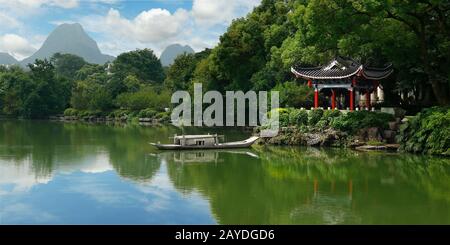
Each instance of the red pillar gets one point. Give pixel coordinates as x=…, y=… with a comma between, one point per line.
x=368, y=100
x=310, y=83
x=352, y=107
x=316, y=98
x=333, y=99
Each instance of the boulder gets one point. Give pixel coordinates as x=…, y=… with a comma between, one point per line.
x=374, y=134
x=371, y=148
x=313, y=139
x=393, y=126
x=325, y=138
x=362, y=134
x=389, y=136
x=356, y=143
x=145, y=119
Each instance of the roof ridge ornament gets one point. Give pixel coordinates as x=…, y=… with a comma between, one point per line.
x=331, y=65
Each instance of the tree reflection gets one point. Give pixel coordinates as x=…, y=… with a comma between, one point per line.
x=317, y=186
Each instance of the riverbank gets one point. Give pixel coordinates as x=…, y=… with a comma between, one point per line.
x=428, y=132
x=144, y=117
x=367, y=139
x=336, y=128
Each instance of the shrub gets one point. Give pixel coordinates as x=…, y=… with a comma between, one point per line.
x=315, y=116
x=147, y=113
x=90, y=113
x=283, y=116
x=427, y=132
x=353, y=121
x=298, y=117
x=163, y=116
x=145, y=98
x=70, y=112
x=119, y=113
x=328, y=117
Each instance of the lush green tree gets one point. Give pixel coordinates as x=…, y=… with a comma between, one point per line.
x=205, y=75
x=148, y=97
x=67, y=65
x=132, y=83
x=92, y=71
x=80, y=96
x=181, y=72
x=35, y=94
x=293, y=94
x=90, y=95
x=50, y=94
x=413, y=35
x=101, y=99
x=15, y=86
x=143, y=64
x=243, y=58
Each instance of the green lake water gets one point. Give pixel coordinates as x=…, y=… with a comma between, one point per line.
x=75, y=173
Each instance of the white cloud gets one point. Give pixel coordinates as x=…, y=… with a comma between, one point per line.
x=158, y=24
x=15, y=45
x=210, y=13
x=157, y=28
x=8, y=22
x=98, y=163
x=15, y=213
x=26, y=7
x=20, y=176
x=15, y=13
x=152, y=26
x=62, y=3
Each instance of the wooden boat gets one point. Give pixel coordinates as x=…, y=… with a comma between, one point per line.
x=191, y=142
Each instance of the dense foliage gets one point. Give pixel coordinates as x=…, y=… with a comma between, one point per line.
x=66, y=83
x=143, y=64
x=34, y=94
x=257, y=51
x=427, y=132
x=349, y=122
x=352, y=121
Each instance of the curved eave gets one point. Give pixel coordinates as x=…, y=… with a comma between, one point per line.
x=387, y=67
x=298, y=74
x=386, y=75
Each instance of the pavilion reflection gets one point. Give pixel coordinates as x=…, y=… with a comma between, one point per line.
x=309, y=186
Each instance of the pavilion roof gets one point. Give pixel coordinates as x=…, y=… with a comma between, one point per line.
x=342, y=68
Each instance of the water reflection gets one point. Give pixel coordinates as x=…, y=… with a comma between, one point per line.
x=79, y=173
x=311, y=186
x=204, y=156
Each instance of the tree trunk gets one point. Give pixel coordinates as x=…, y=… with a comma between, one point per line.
x=427, y=96
x=441, y=92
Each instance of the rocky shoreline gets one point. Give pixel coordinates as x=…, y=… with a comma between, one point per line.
x=363, y=139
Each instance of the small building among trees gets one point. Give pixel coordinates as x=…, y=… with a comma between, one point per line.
x=347, y=82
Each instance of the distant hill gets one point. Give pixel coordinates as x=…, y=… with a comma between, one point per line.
x=172, y=51
x=72, y=39
x=6, y=59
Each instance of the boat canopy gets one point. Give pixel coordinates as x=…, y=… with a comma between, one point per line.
x=206, y=136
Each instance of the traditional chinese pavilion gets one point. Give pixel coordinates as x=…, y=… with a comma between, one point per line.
x=343, y=77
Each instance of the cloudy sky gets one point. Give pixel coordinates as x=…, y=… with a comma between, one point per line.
x=119, y=25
